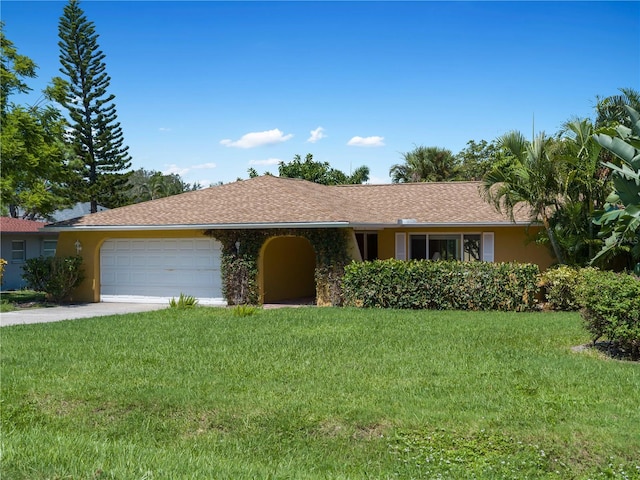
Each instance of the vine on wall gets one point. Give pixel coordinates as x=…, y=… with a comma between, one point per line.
x=241, y=249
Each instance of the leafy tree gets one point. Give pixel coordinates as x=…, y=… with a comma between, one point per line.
x=147, y=185
x=530, y=179
x=32, y=149
x=621, y=215
x=14, y=68
x=476, y=159
x=425, y=164
x=33, y=156
x=97, y=138
x=320, y=172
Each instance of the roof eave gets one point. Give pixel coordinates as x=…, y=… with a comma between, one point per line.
x=202, y=226
x=380, y=226
x=252, y=226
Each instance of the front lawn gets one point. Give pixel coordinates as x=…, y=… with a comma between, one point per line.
x=315, y=393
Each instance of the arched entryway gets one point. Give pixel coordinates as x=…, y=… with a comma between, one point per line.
x=287, y=269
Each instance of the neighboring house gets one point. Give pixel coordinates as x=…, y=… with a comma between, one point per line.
x=78, y=210
x=21, y=240
x=155, y=250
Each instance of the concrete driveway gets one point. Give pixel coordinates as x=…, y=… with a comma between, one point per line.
x=72, y=312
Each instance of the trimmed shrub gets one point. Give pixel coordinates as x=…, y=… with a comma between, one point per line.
x=443, y=285
x=55, y=276
x=611, y=308
x=560, y=286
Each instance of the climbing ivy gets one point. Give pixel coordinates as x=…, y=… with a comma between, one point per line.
x=241, y=249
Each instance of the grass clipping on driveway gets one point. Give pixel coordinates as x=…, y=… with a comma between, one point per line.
x=315, y=393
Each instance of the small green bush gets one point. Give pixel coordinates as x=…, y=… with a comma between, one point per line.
x=183, y=301
x=611, y=308
x=560, y=286
x=423, y=284
x=55, y=276
x=3, y=262
x=244, y=310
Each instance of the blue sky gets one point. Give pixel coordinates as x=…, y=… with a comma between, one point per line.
x=208, y=89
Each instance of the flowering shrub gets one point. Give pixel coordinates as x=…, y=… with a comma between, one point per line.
x=3, y=262
x=560, y=286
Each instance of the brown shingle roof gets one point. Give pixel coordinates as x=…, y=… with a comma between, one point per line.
x=274, y=200
x=18, y=225
x=434, y=203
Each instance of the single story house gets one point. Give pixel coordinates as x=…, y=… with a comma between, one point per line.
x=195, y=243
x=21, y=240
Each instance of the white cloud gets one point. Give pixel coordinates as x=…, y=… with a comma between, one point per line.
x=173, y=168
x=378, y=180
x=164, y=129
x=268, y=161
x=366, y=142
x=316, y=135
x=182, y=171
x=205, y=165
x=203, y=182
x=258, y=139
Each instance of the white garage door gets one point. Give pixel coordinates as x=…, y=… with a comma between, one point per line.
x=158, y=269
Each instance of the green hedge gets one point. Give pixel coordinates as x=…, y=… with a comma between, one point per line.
x=611, y=308
x=559, y=286
x=442, y=285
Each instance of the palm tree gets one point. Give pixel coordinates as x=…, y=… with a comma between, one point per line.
x=584, y=190
x=531, y=179
x=611, y=110
x=425, y=164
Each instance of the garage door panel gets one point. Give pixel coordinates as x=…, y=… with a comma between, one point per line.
x=122, y=261
x=109, y=277
x=161, y=268
x=123, y=278
x=138, y=261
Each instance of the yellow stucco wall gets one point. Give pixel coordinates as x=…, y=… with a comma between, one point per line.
x=89, y=290
x=290, y=261
x=286, y=269
x=510, y=243
x=515, y=244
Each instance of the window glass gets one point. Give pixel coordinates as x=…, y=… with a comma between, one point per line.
x=471, y=248
x=444, y=247
x=417, y=247
x=18, y=250
x=49, y=247
x=372, y=246
x=368, y=245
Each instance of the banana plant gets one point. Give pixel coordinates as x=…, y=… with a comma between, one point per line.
x=621, y=216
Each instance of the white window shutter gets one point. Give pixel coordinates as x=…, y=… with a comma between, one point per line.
x=487, y=246
x=401, y=246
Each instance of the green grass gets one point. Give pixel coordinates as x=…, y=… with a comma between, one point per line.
x=315, y=393
x=11, y=300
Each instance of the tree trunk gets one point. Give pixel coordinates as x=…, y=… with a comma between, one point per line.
x=554, y=242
